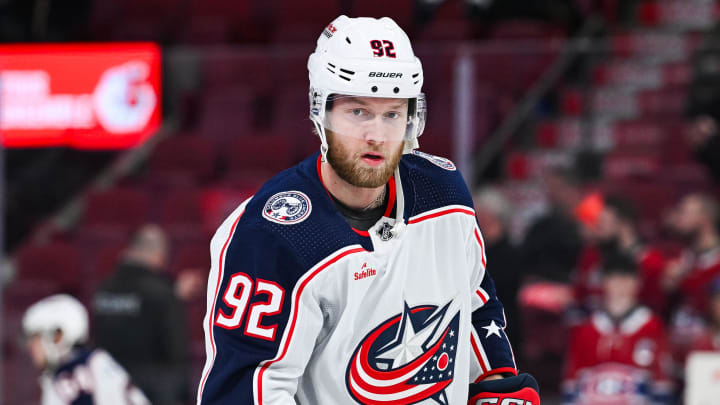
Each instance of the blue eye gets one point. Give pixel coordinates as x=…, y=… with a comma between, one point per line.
x=393, y=115
x=357, y=112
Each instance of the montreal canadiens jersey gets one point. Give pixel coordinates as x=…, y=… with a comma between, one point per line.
x=618, y=362
x=304, y=309
x=90, y=377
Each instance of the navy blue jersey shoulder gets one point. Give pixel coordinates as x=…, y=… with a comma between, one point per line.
x=289, y=226
x=431, y=182
x=293, y=218
x=79, y=356
x=293, y=212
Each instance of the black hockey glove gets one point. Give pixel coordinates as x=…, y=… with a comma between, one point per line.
x=516, y=390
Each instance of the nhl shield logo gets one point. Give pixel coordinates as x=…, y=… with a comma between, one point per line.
x=385, y=232
x=436, y=160
x=287, y=208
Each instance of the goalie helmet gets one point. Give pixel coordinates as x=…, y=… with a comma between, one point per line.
x=366, y=57
x=55, y=313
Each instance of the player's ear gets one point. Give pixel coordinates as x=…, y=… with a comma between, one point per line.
x=58, y=336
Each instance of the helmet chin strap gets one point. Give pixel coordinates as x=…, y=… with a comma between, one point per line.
x=323, y=141
x=410, y=145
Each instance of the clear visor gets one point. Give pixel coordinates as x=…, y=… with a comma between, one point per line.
x=372, y=119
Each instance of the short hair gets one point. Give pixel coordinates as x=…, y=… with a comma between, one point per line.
x=623, y=208
x=148, y=237
x=619, y=263
x=494, y=201
x=566, y=174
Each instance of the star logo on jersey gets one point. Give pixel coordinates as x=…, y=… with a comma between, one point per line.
x=406, y=359
x=492, y=329
x=287, y=208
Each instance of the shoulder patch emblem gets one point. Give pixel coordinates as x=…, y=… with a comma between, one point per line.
x=436, y=160
x=287, y=208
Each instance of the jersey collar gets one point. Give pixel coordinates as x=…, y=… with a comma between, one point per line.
x=392, y=194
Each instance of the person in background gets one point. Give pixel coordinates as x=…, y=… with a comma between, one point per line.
x=620, y=354
x=139, y=318
x=494, y=212
x=687, y=277
x=616, y=232
x=56, y=332
x=358, y=275
x=553, y=242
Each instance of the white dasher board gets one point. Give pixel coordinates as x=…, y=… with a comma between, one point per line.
x=702, y=378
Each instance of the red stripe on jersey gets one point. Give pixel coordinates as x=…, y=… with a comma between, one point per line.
x=391, y=200
x=466, y=211
x=294, y=315
x=496, y=371
x=482, y=248
x=479, y=357
x=390, y=183
x=362, y=233
x=217, y=288
x=482, y=296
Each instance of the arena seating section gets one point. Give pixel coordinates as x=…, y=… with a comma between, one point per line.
x=248, y=120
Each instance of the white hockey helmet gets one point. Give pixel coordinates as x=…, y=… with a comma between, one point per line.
x=62, y=313
x=366, y=57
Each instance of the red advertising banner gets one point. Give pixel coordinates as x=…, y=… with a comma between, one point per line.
x=86, y=96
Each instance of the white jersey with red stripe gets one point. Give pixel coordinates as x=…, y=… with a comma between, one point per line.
x=304, y=309
x=89, y=377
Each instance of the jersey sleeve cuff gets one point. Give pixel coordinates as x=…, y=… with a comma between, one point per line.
x=500, y=370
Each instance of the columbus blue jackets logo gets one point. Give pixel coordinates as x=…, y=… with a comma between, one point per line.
x=436, y=160
x=289, y=207
x=407, y=359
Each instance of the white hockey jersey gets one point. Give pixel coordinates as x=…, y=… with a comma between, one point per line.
x=90, y=377
x=304, y=309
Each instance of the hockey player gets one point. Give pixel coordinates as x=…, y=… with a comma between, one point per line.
x=620, y=355
x=72, y=374
x=358, y=276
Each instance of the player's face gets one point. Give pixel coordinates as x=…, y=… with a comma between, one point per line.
x=365, y=138
x=37, y=353
x=688, y=217
x=607, y=226
x=621, y=286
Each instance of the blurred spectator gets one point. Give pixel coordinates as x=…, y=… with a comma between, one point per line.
x=688, y=276
x=703, y=104
x=493, y=213
x=709, y=340
x=140, y=319
x=620, y=355
x=552, y=245
x=616, y=233
x=56, y=332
